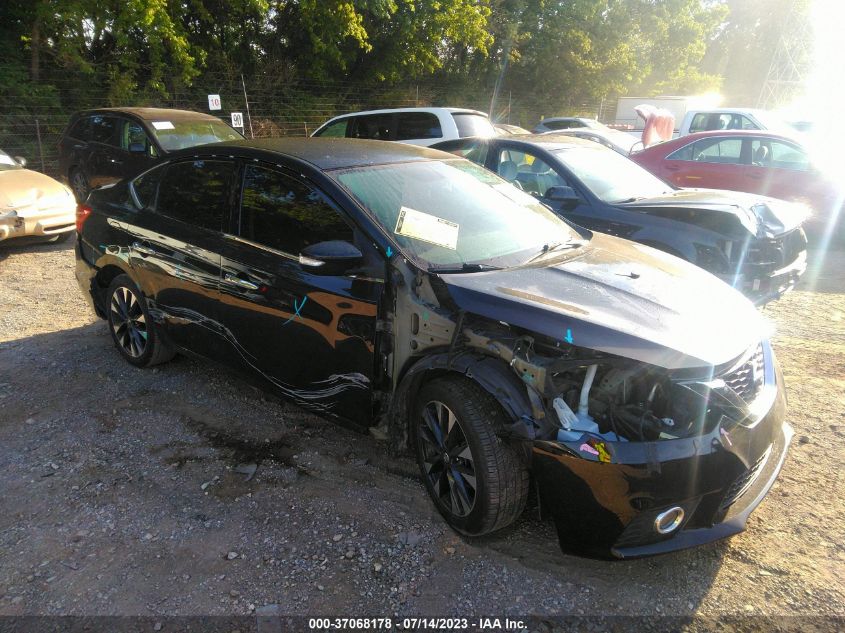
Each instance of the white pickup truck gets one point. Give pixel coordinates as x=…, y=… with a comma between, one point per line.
x=728, y=119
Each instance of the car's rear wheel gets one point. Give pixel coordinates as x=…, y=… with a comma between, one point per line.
x=476, y=480
x=79, y=185
x=132, y=329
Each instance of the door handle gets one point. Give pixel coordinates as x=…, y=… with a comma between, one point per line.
x=671, y=168
x=243, y=283
x=755, y=176
x=143, y=249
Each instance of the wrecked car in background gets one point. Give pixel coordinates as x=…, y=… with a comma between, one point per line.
x=32, y=204
x=752, y=242
x=401, y=288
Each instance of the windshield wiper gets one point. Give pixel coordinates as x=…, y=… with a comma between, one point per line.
x=553, y=246
x=462, y=268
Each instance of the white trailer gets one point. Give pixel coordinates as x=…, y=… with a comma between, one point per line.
x=677, y=105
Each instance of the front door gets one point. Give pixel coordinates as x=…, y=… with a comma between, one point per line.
x=312, y=337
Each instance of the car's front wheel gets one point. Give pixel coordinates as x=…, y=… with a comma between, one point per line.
x=476, y=480
x=132, y=329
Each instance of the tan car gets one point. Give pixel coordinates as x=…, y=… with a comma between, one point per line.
x=32, y=204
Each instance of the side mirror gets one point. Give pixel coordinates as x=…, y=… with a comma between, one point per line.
x=20, y=160
x=564, y=195
x=334, y=257
x=137, y=148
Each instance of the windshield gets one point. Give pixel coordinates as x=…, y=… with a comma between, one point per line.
x=7, y=162
x=451, y=213
x=173, y=135
x=610, y=176
x=470, y=124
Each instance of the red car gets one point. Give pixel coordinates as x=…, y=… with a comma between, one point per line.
x=755, y=161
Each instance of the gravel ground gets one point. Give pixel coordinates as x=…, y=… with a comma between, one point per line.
x=183, y=491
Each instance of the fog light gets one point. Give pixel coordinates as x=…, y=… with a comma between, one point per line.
x=669, y=521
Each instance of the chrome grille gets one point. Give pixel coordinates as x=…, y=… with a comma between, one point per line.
x=747, y=379
x=742, y=483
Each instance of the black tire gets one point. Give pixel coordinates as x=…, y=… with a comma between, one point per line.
x=79, y=185
x=62, y=237
x=501, y=479
x=131, y=327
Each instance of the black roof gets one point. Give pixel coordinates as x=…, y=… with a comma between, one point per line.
x=329, y=153
x=550, y=141
x=155, y=114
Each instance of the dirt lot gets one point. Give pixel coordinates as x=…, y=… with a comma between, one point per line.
x=127, y=491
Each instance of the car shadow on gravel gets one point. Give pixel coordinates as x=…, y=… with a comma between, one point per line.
x=32, y=244
x=207, y=470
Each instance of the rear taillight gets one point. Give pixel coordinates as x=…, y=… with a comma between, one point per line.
x=83, y=211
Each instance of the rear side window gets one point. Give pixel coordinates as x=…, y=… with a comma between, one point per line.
x=470, y=124
x=727, y=150
x=335, y=130
x=102, y=129
x=286, y=214
x=80, y=129
x=414, y=125
x=144, y=188
x=374, y=126
x=699, y=122
x=197, y=192
x=685, y=153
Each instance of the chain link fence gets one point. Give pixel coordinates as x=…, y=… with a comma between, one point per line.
x=33, y=119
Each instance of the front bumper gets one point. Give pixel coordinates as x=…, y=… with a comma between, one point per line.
x=40, y=223
x=770, y=268
x=606, y=505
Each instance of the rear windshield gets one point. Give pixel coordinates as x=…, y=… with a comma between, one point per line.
x=470, y=124
x=173, y=135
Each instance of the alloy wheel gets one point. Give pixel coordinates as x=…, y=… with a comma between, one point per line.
x=79, y=185
x=128, y=322
x=447, y=458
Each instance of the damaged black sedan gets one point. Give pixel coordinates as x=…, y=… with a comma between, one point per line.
x=755, y=243
x=402, y=288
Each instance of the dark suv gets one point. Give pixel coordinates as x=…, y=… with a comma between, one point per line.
x=103, y=146
x=403, y=288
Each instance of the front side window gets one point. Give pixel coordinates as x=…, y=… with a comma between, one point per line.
x=102, y=129
x=335, y=130
x=374, y=126
x=414, y=125
x=454, y=212
x=173, y=135
x=80, y=129
x=699, y=122
x=197, y=192
x=134, y=139
x=530, y=173
x=286, y=214
x=471, y=124
x=774, y=153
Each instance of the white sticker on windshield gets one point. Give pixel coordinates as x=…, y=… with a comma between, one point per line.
x=163, y=125
x=428, y=228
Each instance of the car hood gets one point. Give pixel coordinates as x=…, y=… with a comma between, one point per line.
x=622, y=298
x=22, y=189
x=760, y=215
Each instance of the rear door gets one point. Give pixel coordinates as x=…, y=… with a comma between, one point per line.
x=104, y=162
x=175, y=243
x=713, y=162
x=312, y=337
